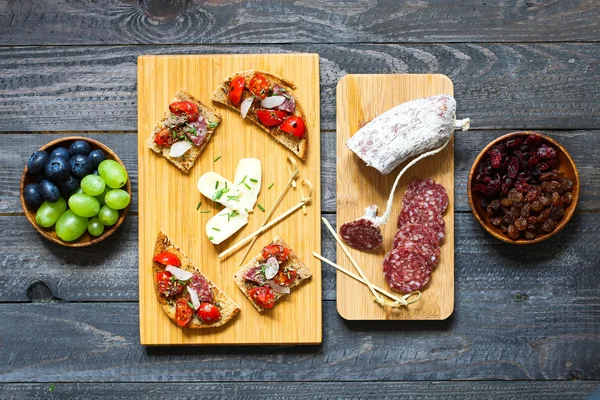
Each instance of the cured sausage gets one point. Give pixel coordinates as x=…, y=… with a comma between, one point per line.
x=405, y=270
x=363, y=233
x=427, y=192
x=423, y=214
x=421, y=239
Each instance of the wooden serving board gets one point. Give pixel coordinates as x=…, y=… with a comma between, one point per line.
x=168, y=199
x=360, y=98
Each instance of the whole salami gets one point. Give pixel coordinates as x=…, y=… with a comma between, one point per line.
x=363, y=233
x=405, y=270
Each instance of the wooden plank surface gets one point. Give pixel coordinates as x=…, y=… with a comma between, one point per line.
x=584, y=147
x=516, y=86
x=360, y=98
x=123, y=22
x=552, y=390
x=176, y=215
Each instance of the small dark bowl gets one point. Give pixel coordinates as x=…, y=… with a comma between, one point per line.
x=86, y=239
x=565, y=165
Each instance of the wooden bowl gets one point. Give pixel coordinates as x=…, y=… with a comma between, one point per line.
x=566, y=165
x=86, y=239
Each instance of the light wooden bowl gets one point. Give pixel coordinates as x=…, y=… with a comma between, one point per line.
x=566, y=165
x=86, y=239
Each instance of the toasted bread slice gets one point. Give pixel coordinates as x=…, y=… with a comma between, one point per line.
x=294, y=262
x=298, y=146
x=187, y=161
x=228, y=307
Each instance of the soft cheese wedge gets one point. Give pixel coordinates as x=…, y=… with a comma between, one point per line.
x=227, y=222
x=248, y=178
x=219, y=189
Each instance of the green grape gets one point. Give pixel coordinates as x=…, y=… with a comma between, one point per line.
x=49, y=213
x=70, y=226
x=84, y=205
x=95, y=227
x=93, y=185
x=78, y=190
x=100, y=198
x=113, y=173
x=117, y=199
x=108, y=216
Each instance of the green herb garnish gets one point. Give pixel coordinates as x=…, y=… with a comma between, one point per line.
x=218, y=194
x=213, y=124
x=204, y=212
x=225, y=184
x=216, y=185
x=217, y=159
x=236, y=197
x=198, y=205
x=253, y=180
x=243, y=180
x=51, y=388
x=261, y=208
x=216, y=229
x=210, y=238
x=249, y=188
x=271, y=185
x=191, y=305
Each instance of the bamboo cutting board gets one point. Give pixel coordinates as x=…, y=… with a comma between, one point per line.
x=168, y=199
x=360, y=98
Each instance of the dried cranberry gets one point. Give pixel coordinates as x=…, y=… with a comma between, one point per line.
x=522, y=186
x=533, y=140
x=513, y=142
x=543, y=166
x=484, y=202
x=513, y=167
x=495, y=157
x=507, y=184
x=523, y=160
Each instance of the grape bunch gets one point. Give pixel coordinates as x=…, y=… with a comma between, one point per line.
x=77, y=189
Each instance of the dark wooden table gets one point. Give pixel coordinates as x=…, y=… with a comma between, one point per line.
x=527, y=319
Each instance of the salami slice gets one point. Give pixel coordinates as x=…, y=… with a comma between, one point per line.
x=417, y=233
x=430, y=252
x=361, y=234
x=202, y=287
x=256, y=275
x=425, y=215
x=406, y=270
x=426, y=192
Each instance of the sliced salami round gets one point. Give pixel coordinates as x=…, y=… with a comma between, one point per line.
x=426, y=192
x=202, y=287
x=422, y=214
x=418, y=233
x=430, y=252
x=361, y=234
x=406, y=270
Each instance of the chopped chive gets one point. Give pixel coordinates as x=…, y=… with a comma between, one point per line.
x=51, y=388
x=198, y=205
x=204, y=212
x=271, y=185
x=216, y=185
x=228, y=217
x=261, y=208
x=217, y=159
x=210, y=238
x=225, y=184
x=191, y=305
x=216, y=229
x=249, y=188
x=253, y=180
x=213, y=124
x=244, y=180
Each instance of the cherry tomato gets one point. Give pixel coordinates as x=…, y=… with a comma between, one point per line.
x=183, y=312
x=163, y=137
x=259, y=86
x=294, y=125
x=208, y=313
x=236, y=87
x=285, y=277
x=263, y=296
x=282, y=254
x=167, y=258
x=271, y=117
x=186, y=108
x=167, y=285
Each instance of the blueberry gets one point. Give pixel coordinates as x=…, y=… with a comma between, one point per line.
x=49, y=191
x=80, y=165
x=79, y=147
x=57, y=169
x=60, y=152
x=32, y=195
x=96, y=157
x=37, y=162
x=67, y=187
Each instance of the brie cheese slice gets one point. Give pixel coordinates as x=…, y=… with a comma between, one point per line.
x=224, y=224
x=219, y=189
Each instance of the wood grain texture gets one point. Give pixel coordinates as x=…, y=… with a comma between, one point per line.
x=305, y=390
x=99, y=342
x=516, y=86
x=175, y=214
x=584, y=147
x=229, y=22
x=360, y=98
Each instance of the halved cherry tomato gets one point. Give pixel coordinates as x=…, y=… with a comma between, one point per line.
x=167, y=258
x=285, y=277
x=259, y=86
x=294, y=125
x=236, y=88
x=271, y=117
x=163, y=137
x=183, y=312
x=186, y=108
x=208, y=313
x=167, y=285
x=263, y=296
x=281, y=253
